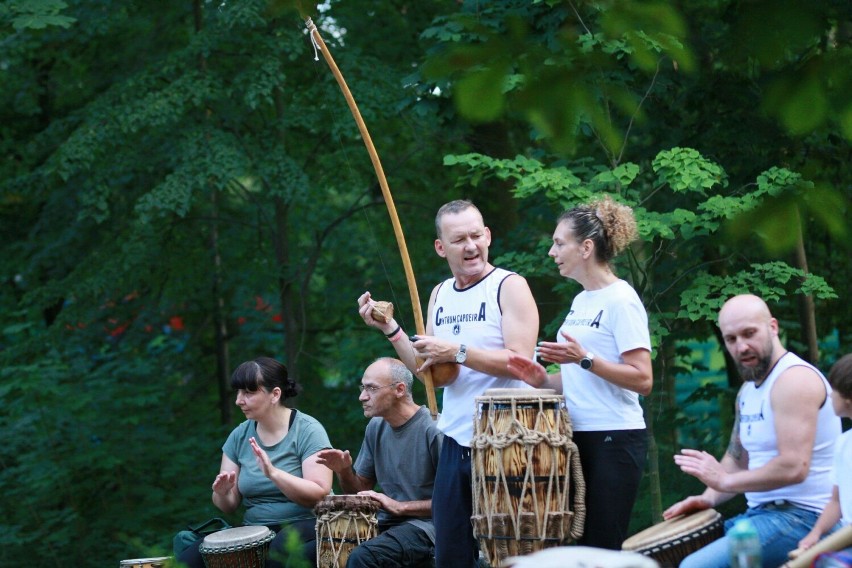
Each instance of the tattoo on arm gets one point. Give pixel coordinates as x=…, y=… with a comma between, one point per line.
x=735, y=447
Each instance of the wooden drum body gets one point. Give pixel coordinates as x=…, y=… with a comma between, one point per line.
x=673, y=540
x=239, y=547
x=343, y=522
x=526, y=474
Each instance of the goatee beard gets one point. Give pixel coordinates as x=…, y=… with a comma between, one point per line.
x=756, y=373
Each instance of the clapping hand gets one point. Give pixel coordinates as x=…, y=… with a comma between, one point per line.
x=225, y=482
x=262, y=457
x=335, y=460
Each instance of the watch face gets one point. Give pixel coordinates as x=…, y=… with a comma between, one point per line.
x=461, y=356
x=586, y=363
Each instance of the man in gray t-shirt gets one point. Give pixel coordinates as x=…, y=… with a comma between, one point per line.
x=400, y=452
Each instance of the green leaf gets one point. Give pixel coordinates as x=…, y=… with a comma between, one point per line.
x=479, y=95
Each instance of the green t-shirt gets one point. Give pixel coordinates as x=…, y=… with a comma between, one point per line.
x=264, y=502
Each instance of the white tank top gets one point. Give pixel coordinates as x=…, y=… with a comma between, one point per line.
x=473, y=317
x=757, y=434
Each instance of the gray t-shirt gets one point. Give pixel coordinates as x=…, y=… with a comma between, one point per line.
x=264, y=502
x=403, y=461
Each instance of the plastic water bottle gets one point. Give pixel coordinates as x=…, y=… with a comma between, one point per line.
x=744, y=545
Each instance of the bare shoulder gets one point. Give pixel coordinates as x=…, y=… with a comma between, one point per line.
x=799, y=384
x=515, y=288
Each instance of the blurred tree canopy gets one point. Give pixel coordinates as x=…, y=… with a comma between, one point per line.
x=183, y=188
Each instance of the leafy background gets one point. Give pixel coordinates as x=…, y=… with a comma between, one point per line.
x=183, y=188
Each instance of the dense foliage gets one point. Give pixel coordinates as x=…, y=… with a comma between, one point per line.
x=183, y=188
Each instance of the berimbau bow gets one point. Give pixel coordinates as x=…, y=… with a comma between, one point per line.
x=386, y=193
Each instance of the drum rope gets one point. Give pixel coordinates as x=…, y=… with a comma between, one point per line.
x=548, y=444
x=358, y=524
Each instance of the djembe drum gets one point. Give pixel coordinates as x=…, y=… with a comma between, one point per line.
x=154, y=562
x=343, y=522
x=673, y=540
x=239, y=547
x=526, y=474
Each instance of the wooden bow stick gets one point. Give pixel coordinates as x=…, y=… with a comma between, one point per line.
x=380, y=174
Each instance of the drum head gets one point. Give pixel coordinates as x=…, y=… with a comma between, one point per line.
x=359, y=503
x=154, y=562
x=237, y=536
x=671, y=529
x=518, y=393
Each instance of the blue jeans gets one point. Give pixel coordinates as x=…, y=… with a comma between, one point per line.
x=780, y=528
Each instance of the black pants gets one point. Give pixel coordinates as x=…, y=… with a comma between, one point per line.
x=613, y=463
x=403, y=545
x=452, y=507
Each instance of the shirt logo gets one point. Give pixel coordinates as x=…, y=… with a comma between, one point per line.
x=584, y=322
x=749, y=419
x=456, y=319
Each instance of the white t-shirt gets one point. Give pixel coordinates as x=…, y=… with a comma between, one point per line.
x=473, y=317
x=841, y=477
x=607, y=322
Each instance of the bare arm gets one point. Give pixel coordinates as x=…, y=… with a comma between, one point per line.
x=520, y=327
x=226, y=494
x=796, y=398
x=705, y=467
x=401, y=508
x=633, y=373
x=829, y=517
x=307, y=490
x=340, y=462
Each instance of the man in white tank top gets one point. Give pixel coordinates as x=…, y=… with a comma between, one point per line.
x=477, y=319
x=780, y=453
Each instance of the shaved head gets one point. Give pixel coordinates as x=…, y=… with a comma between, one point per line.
x=751, y=335
x=744, y=305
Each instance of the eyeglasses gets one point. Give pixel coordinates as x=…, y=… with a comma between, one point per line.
x=371, y=389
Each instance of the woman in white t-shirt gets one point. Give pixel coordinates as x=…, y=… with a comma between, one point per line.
x=603, y=349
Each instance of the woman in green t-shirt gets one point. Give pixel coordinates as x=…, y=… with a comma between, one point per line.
x=269, y=461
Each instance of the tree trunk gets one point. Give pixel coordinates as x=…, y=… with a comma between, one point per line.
x=220, y=322
x=807, y=311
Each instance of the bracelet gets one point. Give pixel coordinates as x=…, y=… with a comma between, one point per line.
x=394, y=332
x=396, y=336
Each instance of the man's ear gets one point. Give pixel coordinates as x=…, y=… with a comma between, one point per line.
x=439, y=248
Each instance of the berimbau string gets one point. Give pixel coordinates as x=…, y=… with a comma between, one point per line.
x=399, y=315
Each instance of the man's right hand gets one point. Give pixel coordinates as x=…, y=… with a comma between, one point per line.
x=365, y=308
x=689, y=505
x=335, y=460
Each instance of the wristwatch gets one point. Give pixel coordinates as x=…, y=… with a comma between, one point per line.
x=461, y=356
x=587, y=361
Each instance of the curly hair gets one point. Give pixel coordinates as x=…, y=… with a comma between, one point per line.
x=266, y=373
x=840, y=376
x=609, y=224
